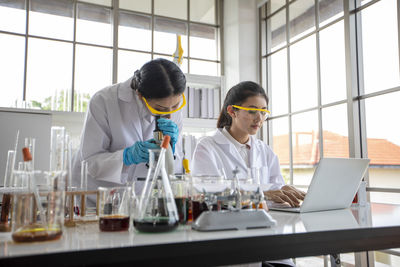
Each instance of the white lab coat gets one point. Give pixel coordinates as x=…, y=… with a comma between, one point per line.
x=215, y=152
x=116, y=118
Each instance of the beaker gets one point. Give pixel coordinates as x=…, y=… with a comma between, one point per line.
x=180, y=189
x=5, y=225
x=114, y=205
x=157, y=209
x=205, y=192
x=38, y=215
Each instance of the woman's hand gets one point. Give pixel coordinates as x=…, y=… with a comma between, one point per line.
x=287, y=195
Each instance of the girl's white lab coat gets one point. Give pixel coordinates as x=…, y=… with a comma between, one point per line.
x=216, y=152
x=116, y=118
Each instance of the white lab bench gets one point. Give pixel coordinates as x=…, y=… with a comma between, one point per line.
x=373, y=227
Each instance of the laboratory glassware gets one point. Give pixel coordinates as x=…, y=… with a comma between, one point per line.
x=157, y=209
x=114, y=205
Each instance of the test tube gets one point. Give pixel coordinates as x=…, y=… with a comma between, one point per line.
x=9, y=168
x=30, y=144
x=84, y=174
x=57, y=148
x=68, y=162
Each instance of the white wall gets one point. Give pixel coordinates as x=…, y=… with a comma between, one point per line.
x=240, y=41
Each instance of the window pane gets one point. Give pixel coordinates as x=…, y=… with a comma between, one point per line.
x=263, y=37
x=134, y=31
x=302, y=18
x=335, y=132
x=12, y=52
x=305, y=142
x=278, y=30
x=171, y=8
x=184, y=66
x=329, y=10
x=381, y=197
x=264, y=76
x=203, y=42
x=12, y=16
x=204, y=67
x=52, y=19
x=303, y=74
x=202, y=11
x=275, y=5
x=49, y=74
x=98, y=2
x=280, y=145
x=279, y=83
x=93, y=25
x=93, y=72
x=332, y=63
x=165, y=36
x=129, y=62
x=380, y=47
x=383, y=140
x=136, y=5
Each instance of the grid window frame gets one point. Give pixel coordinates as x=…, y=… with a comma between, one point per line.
x=114, y=10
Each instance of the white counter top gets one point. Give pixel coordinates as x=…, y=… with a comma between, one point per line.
x=291, y=226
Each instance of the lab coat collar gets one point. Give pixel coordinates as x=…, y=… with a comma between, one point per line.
x=255, y=150
x=222, y=140
x=125, y=92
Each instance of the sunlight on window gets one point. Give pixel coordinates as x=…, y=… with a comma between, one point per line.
x=203, y=42
x=302, y=18
x=49, y=74
x=279, y=84
x=380, y=47
x=332, y=63
x=204, y=67
x=93, y=25
x=303, y=74
x=12, y=52
x=134, y=31
x=129, y=62
x=47, y=25
x=93, y=72
x=13, y=19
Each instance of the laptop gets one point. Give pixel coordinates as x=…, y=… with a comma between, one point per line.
x=333, y=186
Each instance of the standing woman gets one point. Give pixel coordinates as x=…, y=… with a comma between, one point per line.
x=120, y=120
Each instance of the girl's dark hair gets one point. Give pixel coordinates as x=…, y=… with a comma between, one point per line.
x=159, y=78
x=236, y=96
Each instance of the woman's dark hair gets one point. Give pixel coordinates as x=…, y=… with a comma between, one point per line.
x=237, y=95
x=159, y=78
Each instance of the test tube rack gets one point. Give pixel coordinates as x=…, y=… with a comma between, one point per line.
x=71, y=220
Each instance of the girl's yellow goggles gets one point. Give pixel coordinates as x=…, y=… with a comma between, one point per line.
x=264, y=112
x=154, y=111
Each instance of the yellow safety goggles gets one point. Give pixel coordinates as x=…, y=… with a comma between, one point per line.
x=253, y=111
x=154, y=111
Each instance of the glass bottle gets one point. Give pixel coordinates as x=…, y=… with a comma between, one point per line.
x=157, y=210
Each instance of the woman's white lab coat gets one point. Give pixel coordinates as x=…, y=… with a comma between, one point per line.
x=116, y=118
x=216, y=152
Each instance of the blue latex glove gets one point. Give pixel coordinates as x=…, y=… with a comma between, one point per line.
x=170, y=128
x=138, y=152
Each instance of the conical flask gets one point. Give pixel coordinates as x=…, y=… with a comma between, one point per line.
x=157, y=210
